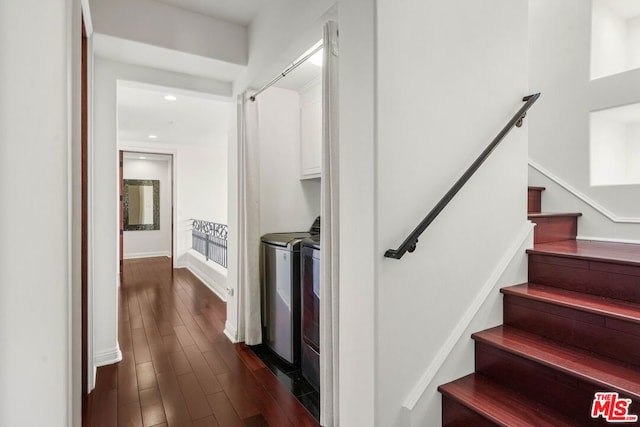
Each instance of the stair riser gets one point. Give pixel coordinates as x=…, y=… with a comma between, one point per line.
x=598, y=334
x=534, y=201
x=562, y=392
x=592, y=277
x=555, y=229
x=456, y=415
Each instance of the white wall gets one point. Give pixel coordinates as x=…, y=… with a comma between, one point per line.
x=202, y=187
x=359, y=250
x=559, y=128
x=286, y=203
x=596, y=222
x=608, y=151
x=146, y=243
x=460, y=358
x=104, y=211
x=614, y=40
x=608, y=41
x=201, y=179
x=633, y=152
x=39, y=186
x=443, y=93
x=159, y=24
x=633, y=41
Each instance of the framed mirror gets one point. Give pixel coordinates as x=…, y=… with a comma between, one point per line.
x=141, y=204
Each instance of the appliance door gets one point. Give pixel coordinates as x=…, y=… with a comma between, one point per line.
x=279, y=299
x=311, y=297
x=310, y=358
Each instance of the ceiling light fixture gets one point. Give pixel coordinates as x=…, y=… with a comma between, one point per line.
x=142, y=158
x=170, y=98
x=153, y=136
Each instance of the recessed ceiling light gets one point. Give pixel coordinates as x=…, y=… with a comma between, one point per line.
x=153, y=136
x=170, y=98
x=142, y=158
x=316, y=59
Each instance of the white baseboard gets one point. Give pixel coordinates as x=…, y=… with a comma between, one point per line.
x=586, y=199
x=94, y=372
x=107, y=357
x=147, y=254
x=427, y=377
x=605, y=239
x=212, y=275
x=230, y=332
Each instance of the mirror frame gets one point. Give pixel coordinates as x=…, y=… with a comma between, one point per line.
x=156, y=204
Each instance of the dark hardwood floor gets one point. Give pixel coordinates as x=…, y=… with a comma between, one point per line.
x=178, y=368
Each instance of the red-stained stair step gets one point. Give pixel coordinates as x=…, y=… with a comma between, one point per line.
x=534, y=199
x=559, y=376
x=553, y=227
x=599, y=325
x=474, y=400
x=607, y=307
x=591, y=250
x=599, y=268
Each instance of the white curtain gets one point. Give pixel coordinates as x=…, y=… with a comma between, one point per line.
x=249, y=324
x=329, y=266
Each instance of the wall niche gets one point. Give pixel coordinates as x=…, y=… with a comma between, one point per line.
x=615, y=146
x=615, y=37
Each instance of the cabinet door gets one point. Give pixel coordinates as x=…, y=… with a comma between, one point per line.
x=311, y=139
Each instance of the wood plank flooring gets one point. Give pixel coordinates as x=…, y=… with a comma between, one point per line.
x=178, y=368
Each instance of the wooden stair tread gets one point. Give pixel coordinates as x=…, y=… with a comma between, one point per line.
x=500, y=404
x=591, y=250
x=534, y=215
x=608, y=373
x=619, y=309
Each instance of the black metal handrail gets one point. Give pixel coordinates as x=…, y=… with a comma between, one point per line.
x=210, y=239
x=409, y=244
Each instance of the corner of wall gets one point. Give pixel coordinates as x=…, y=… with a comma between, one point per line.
x=231, y=332
x=597, y=222
x=455, y=358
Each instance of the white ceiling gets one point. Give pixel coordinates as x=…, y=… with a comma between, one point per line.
x=625, y=8
x=191, y=119
x=132, y=52
x=301, y=77
x=239, y=12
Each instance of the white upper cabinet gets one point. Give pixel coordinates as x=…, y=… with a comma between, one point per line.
x=311, y=131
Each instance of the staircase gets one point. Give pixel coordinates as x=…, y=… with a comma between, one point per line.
x=573, y=330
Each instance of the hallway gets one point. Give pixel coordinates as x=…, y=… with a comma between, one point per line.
x=178, y=368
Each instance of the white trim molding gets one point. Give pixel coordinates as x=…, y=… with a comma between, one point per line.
x=147, y=254
x=454, y=337
x=209, y=273
x=107, y=357
x=606, y=239
x=586, y=199
x=86, y=14
x=231, y=332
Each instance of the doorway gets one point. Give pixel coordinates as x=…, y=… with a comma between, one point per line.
x=146, y=206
